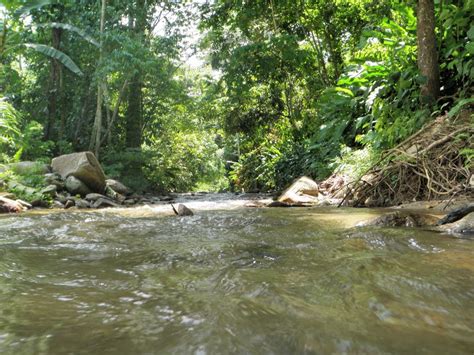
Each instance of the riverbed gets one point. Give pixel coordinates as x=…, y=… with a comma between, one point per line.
x=231, y=279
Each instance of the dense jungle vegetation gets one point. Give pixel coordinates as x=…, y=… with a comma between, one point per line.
x=282, y=88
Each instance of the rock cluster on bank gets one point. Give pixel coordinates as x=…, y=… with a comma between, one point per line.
x=73, y=180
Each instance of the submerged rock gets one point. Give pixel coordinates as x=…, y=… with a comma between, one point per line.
x=463, y=226
x=256, y=204
x=457, y=214
x=83, y=166
x=401, y=219
x=182, y=210
x=278, y=204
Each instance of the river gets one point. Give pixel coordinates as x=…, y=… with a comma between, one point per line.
x=231, y=280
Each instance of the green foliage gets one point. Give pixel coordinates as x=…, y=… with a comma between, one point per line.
x=9, y=130
x=297, y=89
x=355, y=163
x=74, y=29
x=457, y=45
x=255, y=170
x=126, y=166
x=32, y=146
x=28, y=6
x=459, y=106
x=26, y=187
x=468, y=154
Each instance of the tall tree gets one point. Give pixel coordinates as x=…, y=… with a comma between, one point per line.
x=96, y=130
x=427, y=51
x=134, y=115
x=54, y=77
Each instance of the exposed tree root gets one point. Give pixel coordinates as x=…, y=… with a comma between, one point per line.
x=429, y=165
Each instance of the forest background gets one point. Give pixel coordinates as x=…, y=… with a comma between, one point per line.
x=283, y=88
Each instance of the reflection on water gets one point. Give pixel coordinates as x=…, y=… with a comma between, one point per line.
x=259, y=281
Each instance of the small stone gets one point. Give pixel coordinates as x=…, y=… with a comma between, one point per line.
x=166, y=198
x=118, y=187
x=255, y=204
x=76, y=186
x=69, y=204
x=80, y=203
x=40, y=203
x=54, y=179
x=49, y=190
x=57, y=204
x=104, y=202
x=129, y=202
x=25, y=204
x=111, y=193
x=94, y=196
x=63, y=198
x=278, y=204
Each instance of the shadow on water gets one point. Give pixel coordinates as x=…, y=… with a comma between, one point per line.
x=231, y=280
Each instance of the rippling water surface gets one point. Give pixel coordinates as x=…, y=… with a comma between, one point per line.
x=241, y=281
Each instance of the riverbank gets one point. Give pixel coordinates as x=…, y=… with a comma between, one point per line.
x=423, y=214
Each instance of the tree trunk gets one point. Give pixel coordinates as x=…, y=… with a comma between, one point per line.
x=54, y=87
x=427, y=51
x=97, y=128
x=134, y=114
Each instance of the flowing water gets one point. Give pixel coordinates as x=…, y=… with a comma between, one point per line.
x=231, y=280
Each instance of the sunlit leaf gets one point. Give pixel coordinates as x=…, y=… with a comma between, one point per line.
x=455, y=110
x=51, y=52
x=68, y=27
x=32, y=5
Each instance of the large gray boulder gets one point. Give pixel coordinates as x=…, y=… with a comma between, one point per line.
x=83, y=166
